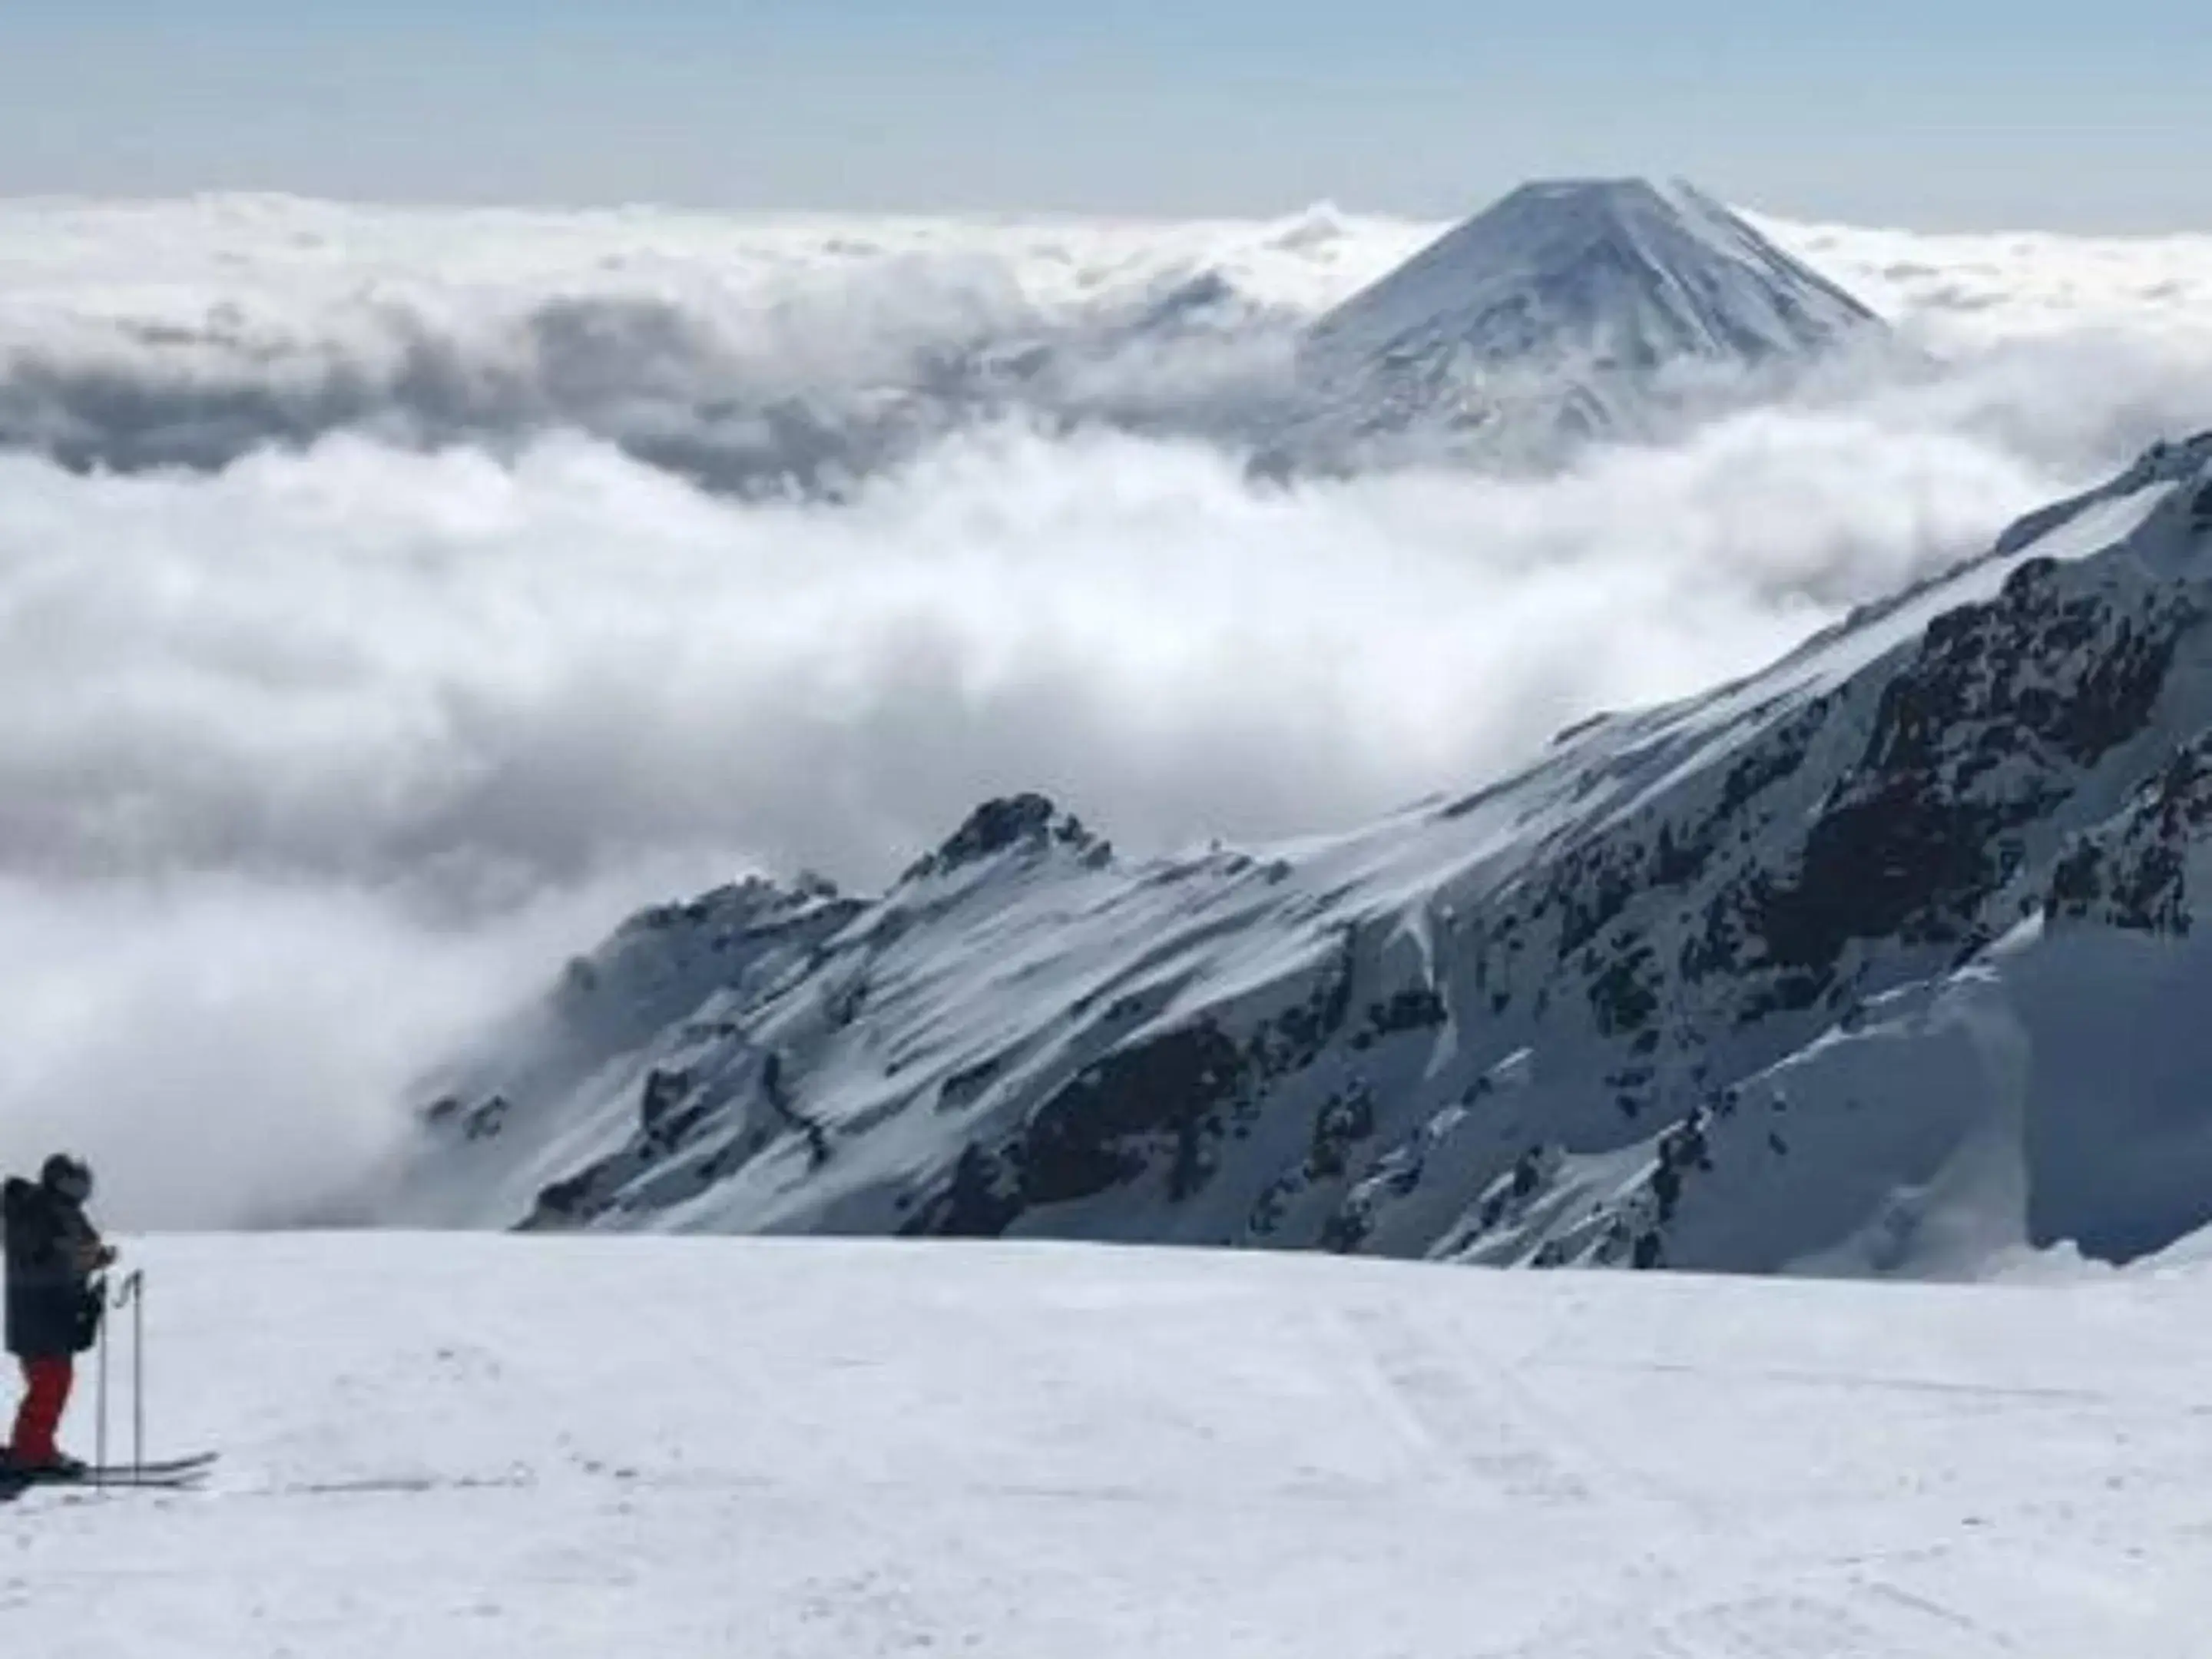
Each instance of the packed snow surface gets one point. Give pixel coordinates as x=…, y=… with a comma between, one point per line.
x=449, y=1446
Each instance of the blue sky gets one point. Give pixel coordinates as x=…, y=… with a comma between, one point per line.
x=1946, y=112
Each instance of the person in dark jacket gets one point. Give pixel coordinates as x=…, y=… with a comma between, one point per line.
x=54, y=1307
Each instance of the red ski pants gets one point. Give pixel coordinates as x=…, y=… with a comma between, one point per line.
x=46, y=1384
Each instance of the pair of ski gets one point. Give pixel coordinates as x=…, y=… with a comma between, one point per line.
x=170, y=1473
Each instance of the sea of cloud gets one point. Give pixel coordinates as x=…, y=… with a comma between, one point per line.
x=389, y=600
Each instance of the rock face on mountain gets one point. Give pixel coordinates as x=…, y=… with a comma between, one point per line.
x=1570, y=310
x=1883, y=959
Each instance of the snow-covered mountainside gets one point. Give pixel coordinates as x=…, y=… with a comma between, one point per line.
x=1570, y=310
x=1882, y=959
x=458, y=1448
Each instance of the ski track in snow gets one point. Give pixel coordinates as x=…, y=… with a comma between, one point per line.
x=449, y=1445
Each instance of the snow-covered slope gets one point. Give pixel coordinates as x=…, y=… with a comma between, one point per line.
x=455, y=1448
x=1879, y=959
x=1569, y=310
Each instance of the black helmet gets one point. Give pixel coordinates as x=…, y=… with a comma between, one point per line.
x=67, y=1177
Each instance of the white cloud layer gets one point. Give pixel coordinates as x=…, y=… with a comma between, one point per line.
x=313, y=756
x=233, y=1050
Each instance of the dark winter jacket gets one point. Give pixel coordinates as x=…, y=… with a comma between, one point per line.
x=52, y=1309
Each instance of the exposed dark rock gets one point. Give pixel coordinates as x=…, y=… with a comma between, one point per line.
x=1100, y=1130
x=1417, y=1009
x=664, y=1088
x=1344, y=1120
x=981, y=1201
x=964, y=1086
x=2133, y=872
x=1912, y=843
x=997, y=826
x=1624, y=994
x=560, y=1203
x=1347, y=1229
x=780, y=1102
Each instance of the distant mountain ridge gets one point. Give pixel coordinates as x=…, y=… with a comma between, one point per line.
x=1883, y=959
x=765, y=366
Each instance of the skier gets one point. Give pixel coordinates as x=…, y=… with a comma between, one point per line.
x=53, y=1305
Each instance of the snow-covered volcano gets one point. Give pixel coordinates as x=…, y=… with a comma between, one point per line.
x=1880, y=959
x=1570, y=309
x=1637, y=275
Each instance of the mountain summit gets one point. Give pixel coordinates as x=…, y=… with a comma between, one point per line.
x=1629, y=274
x=1571, y=309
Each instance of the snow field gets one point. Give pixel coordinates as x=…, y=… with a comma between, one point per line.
x=446, y=1445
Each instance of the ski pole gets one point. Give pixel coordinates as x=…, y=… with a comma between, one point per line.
x=100, y=1435
x=133, y=1295
x=138, y=1376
